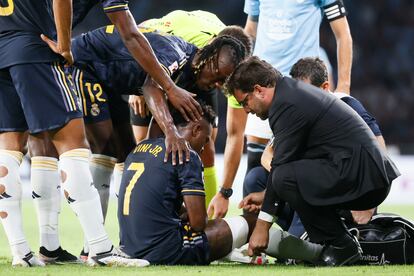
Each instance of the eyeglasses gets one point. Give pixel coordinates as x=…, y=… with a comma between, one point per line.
x=243, y=103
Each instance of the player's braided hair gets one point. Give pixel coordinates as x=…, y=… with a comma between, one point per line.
x=238, y=33
x=208, y=114
x=211, y=51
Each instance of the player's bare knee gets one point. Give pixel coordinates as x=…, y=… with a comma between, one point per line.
x=41, y=146
x=14, y=141
x=3, y=172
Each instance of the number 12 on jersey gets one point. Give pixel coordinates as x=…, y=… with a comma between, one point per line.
x=139, y=169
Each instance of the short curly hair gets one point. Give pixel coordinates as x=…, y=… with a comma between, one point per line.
x=311, y=68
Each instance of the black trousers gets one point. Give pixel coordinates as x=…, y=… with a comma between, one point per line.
x=322, y=223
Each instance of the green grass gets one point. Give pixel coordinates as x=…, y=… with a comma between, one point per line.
x=72, y=240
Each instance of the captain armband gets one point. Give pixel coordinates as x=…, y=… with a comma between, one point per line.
x=334, y=11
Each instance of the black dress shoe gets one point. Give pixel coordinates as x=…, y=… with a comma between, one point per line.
x=58, y=256
x=344, y=251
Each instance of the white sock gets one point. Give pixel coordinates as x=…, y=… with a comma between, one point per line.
x=239, y=230
x=118, y=170
x=10, y=202
x=102, y=167
x=46, y=197
x=83, y=198
x=284, y=245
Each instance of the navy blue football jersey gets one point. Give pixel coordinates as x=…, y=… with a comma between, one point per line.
x=82, y=7
x=360, y=109
x=102, y=53
x=150, y=198
x=21, y=23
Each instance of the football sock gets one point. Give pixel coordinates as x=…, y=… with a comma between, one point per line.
x=10, y=202
x=284, y=245
x=83, y=198
x=118, y=170
x=46, y=196
x=210, y=183
x=102, y=167
x=239, y=230
x=254, y=155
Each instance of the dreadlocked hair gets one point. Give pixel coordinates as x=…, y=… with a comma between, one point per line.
x=211, y=51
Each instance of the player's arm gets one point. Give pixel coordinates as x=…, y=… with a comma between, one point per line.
x=336, y=15
x=367, y=117
x=381, y=141
x=62, y=10
x=252, y=9
x=251, y=27
x=157, y=104
x=192, y=189
x=267, y=157
x=142, y=52
x=196, y=211
x=235, y=125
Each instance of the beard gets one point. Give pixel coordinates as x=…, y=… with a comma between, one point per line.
x=262, y=116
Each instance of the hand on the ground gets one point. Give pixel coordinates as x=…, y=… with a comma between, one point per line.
x=259, y=239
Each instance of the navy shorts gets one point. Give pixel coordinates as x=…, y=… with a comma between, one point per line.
x=36, y=97
x=195, y=249
x=92, y=95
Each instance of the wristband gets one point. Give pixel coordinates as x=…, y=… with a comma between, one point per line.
x=266, y=217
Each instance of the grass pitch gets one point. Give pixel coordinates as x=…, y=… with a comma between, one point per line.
x=72, y=240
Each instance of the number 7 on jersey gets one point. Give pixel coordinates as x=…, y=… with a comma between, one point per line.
x=139, y=169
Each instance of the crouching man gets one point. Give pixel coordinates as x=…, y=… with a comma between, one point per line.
x=154, y=224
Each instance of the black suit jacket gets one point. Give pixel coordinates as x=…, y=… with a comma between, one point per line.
x=335, y=155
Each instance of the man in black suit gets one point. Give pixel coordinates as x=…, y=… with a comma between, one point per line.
x=326, y=158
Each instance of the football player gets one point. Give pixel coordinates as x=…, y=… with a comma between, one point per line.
x=32, y=81
x=199, y=28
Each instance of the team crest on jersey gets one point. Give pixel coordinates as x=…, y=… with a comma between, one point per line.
x=95, y=110
x=173, y=67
